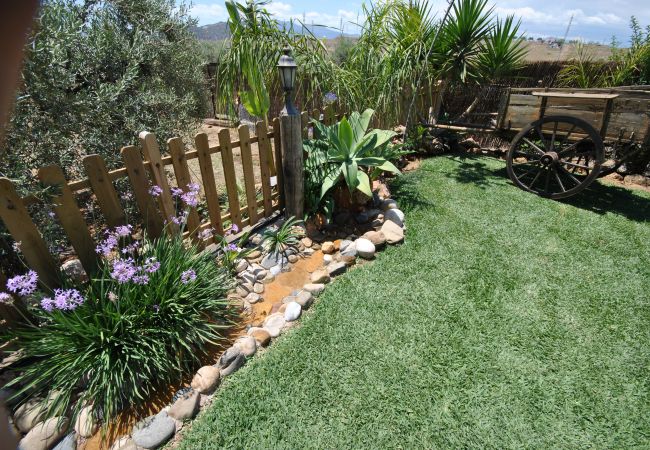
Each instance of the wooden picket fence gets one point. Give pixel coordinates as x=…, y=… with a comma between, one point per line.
x=143, y=168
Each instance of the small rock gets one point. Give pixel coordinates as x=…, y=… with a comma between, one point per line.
x=307, y=242
x=228, y=357
x=393, y=232
x=205, y=380
x=336, y=268
x=253, y=298
x=308, y=251
x=274, y=259
x=185, y=407
x=314, y=288
x=345, y=244
x=365, y=248
x=327, y=259
x=320, y=277
x=328, y=247
x=388, y=204
x=395, y=215
x=242, y=265
x=248, y=277
x=315, y=246
x=75, y=271
x=274, y=323
x=124, y=443
x=29, y=414
x=376, y=237
x=269, y=278
x=348, y=260
x=258, y=288
x=377, y=223
x=153, y=431
x=305, y=299
x=45, y=434
x=234, y=365
x=289, y=299
x=292, y=312
x=254, y=255
x=349, y=250
x=275, y=307
x=68, y=443
x=275, y=271
x=247, y=345
x=244, y=289
x=86, y=425
x=261, y=336
x=293, y=259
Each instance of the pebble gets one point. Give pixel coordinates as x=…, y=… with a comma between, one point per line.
x=234, y=365
x=305, y=299
x=314, y=288
x=206, y=379
x=253, y=298
x=75, y=270
x=153, y=431
x=186, y=407
x=336, y=268
x=328, y=247
x=293, y=258
x=395, y=215
x=274, y=323
x=124, y=443
x=307, y=242
x=376, y=237
x=273, y=259
x=365, y=248
x=29, y=414
x=320, y=277
x=292, y=312
x=393, y=232
x=261, y=336
x=68, y=443
x=45, y=434
x=327, y=259
x=85, y=425
x=247, y=345
x=269, y=278
x=275, y=271
x=289, y=299
x=348, y=260
x=258, y=288
x=254, y=254
x=228, y=357
x=308, y=251
x=241, y=266
x=315, y=246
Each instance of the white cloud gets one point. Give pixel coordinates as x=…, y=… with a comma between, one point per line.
x=526, y=13
x=208, y=13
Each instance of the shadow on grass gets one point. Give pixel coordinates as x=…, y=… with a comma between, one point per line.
x=405, y=189
x=605, y=198
x=472, y=170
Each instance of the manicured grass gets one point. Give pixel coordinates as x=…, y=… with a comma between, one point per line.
x=505, y=321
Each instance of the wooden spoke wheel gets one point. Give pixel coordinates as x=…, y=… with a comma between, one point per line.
x=555, y=157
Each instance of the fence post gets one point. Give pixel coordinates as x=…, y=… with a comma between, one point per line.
x=292, y=164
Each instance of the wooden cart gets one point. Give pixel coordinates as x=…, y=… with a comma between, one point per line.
x=566, y=138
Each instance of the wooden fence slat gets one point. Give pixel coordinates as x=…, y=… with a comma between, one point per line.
x=183, y=179
x=20, y=225
x=105, y=193
x=277, y=143
x=157, y=170
x=229, y=175
x=209, y=184
x=140, y=183
x=67, y=211
x=249, y=175
x=264, y=147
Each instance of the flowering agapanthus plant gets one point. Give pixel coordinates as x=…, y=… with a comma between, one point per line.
x=231, y=252
x=23, y=285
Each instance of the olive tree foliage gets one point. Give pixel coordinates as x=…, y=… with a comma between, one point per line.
x=96, y=73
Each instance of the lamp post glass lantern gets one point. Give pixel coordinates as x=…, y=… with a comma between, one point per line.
x=287, y=67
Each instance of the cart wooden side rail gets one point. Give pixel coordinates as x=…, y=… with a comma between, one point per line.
x=562, y=138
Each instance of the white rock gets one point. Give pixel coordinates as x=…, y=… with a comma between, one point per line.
x=241, y=265
x=274, y=323
x=75, y=270
x=395, y=215
x=327, y=259
x=45, y=434
x=247, y=345
x=29, y=414
x=292, y=312
x=314, y=288
x=365, y=248
x=206, y=379
x=85, y=425
x=253, y=298
x=124, y=443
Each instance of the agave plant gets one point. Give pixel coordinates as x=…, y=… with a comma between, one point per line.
x=351, y=147
x=286, y=237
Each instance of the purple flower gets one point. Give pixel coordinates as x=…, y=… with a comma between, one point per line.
x=232, y=248
x=47, y=304
x=176, y=192
x=123, y=270
x=187, y=276
x=108, y=245
x=5, y=298
x=182, y=217
x=51, y=214
x=330, y=97
x=234, y=229
x=151, y=265
x=140, y=279
x=123, y=230
x=23, y=285
x=190, y=198
x=155, y=191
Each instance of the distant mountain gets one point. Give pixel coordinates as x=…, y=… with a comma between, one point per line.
x=219, y=31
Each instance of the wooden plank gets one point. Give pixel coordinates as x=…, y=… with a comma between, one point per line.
x=249, y=175
x=22, y=229
x=105, y=193
x=229, y=174
x=183, y=179
x=264, y=147
x=277, y=143
x=157, y=171
x=209, y=184
x=575, y=95
x=138, y=178
x=67, y=211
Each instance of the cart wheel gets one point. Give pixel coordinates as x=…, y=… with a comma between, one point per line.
x=555, y=157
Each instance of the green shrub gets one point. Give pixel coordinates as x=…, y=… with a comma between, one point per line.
x=96, y=73
x=285, y=237
x=144, y=320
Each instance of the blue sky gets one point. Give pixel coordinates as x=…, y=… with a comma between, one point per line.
x=593, y=20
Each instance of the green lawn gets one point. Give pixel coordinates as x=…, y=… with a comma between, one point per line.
x=504, y=321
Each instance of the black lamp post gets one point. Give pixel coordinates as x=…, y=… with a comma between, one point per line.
x=287, y=67
x=292, y=196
